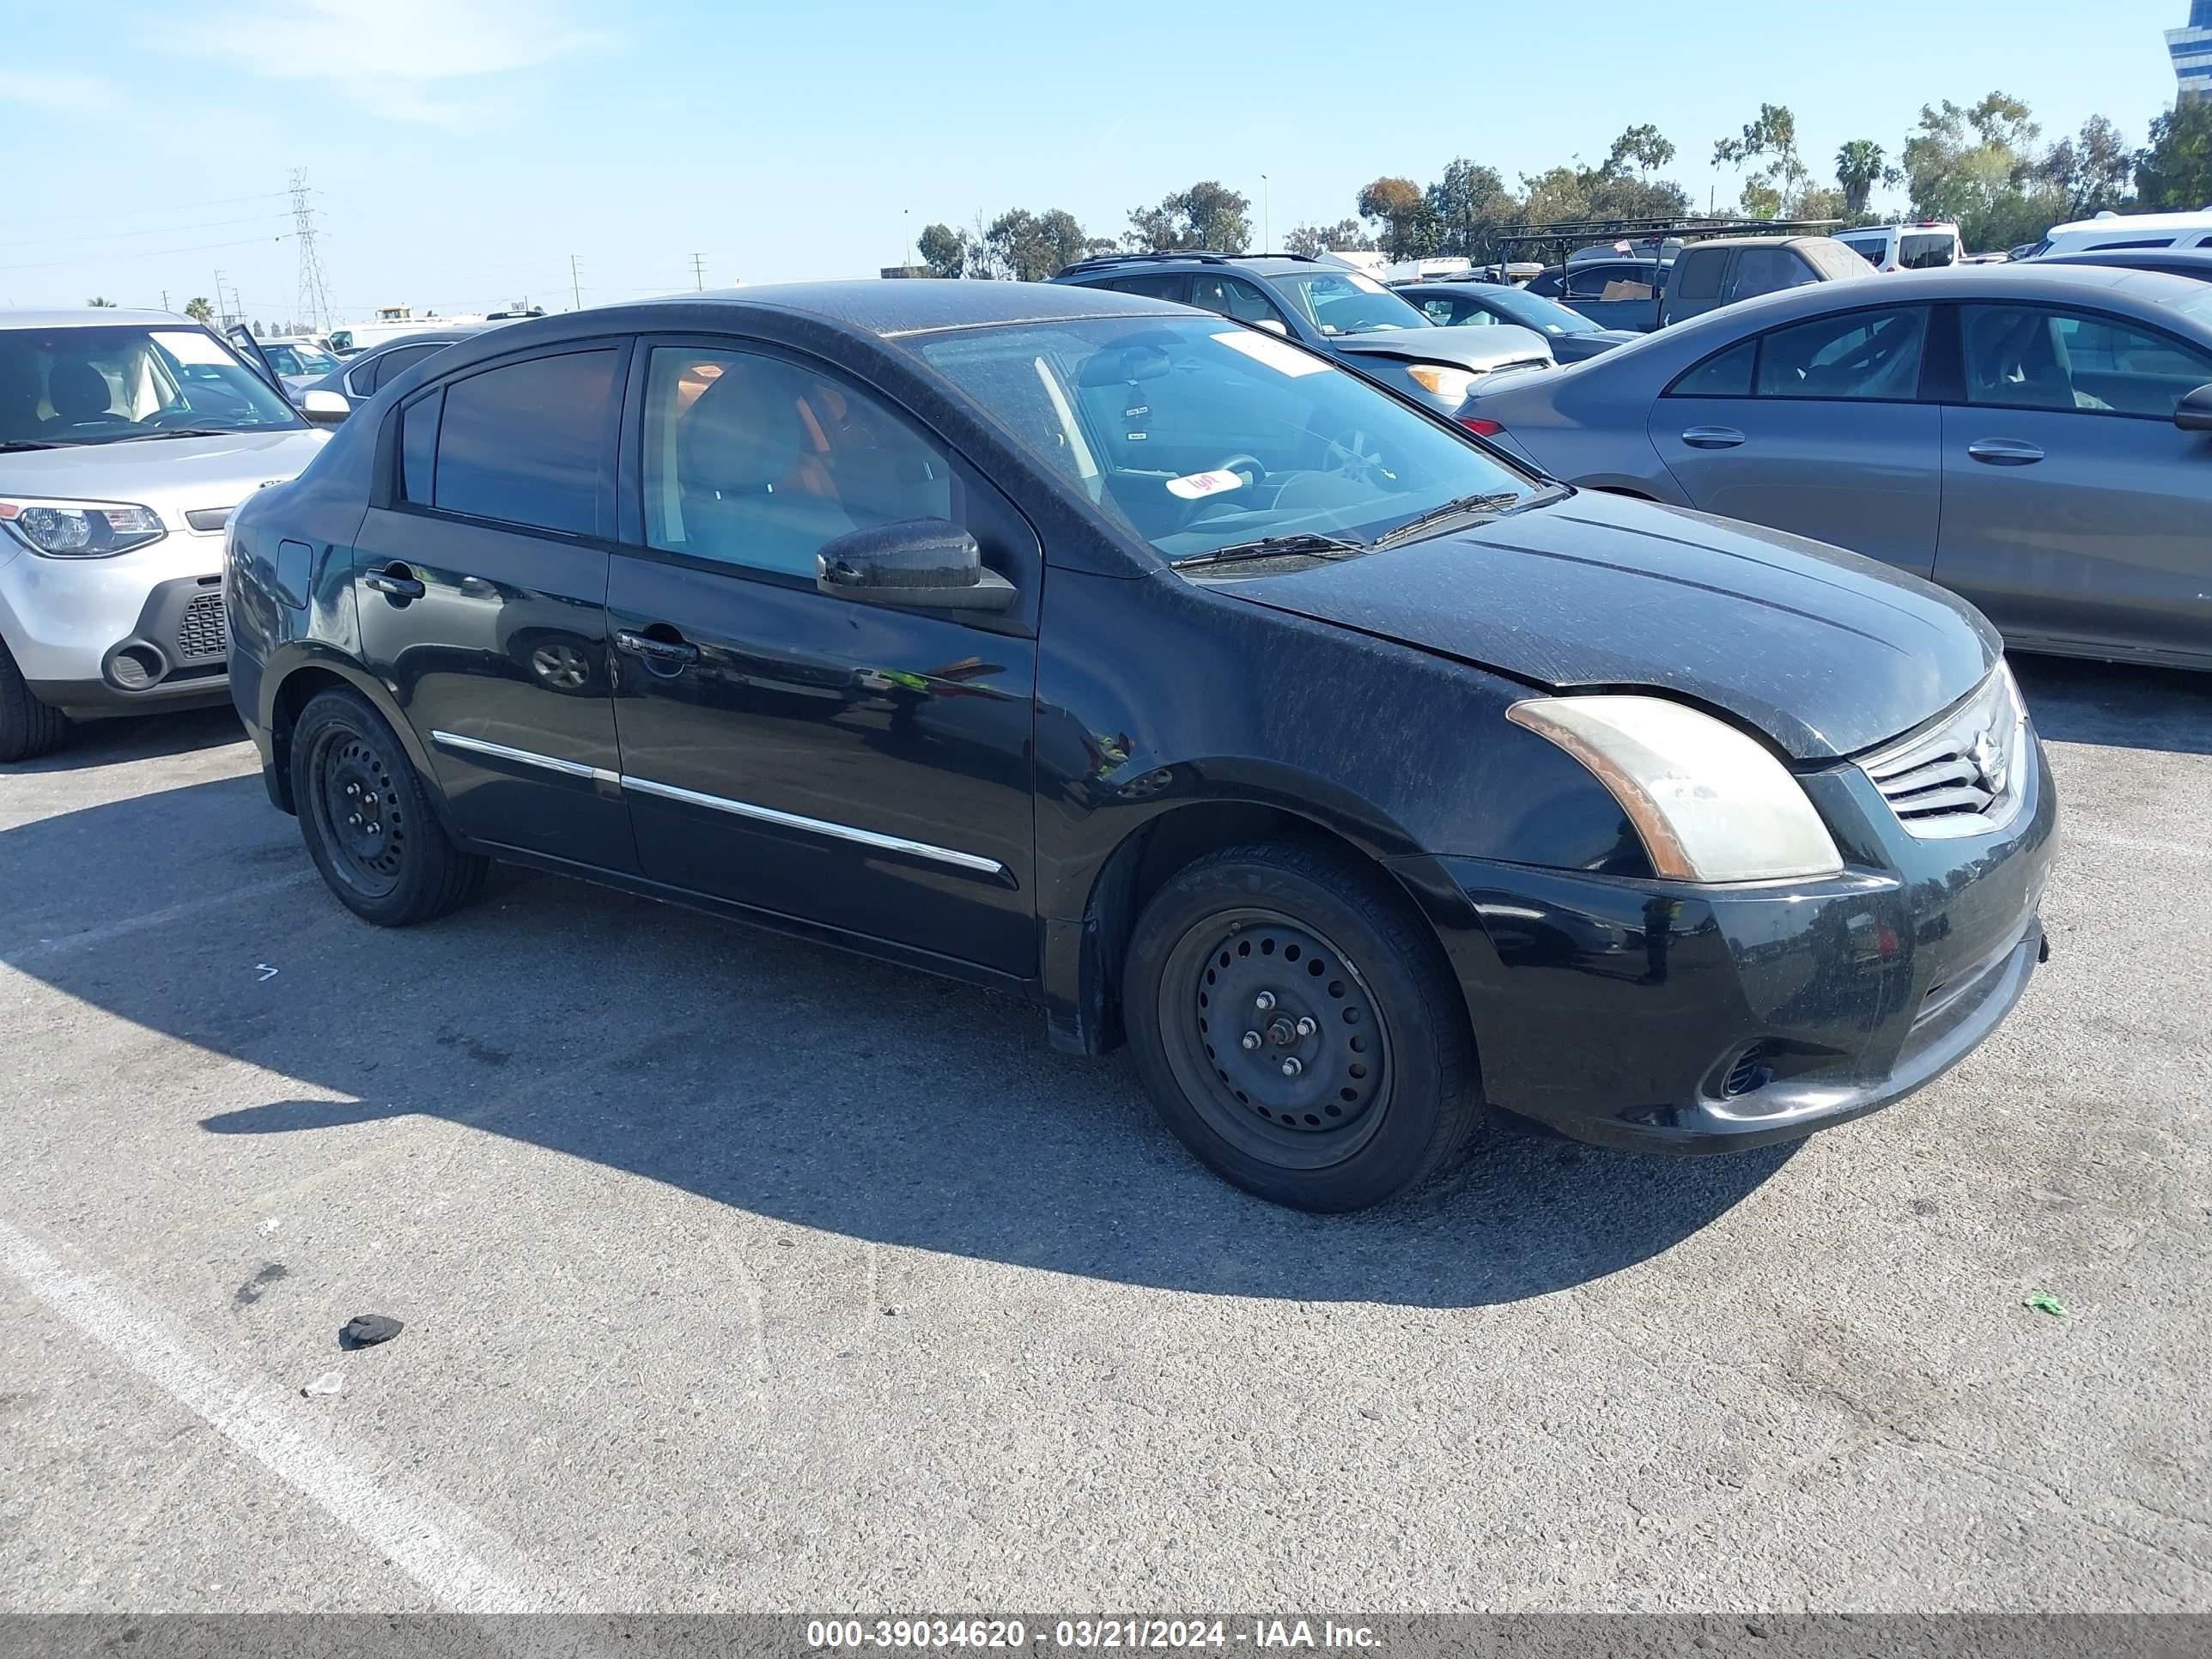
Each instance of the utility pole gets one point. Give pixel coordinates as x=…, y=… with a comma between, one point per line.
x=314, y=300
x=165, y=299
x=222, y=305
x=575, y=285
x=1267, y=219
x=698, y=275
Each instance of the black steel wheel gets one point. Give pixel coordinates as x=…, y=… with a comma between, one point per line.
x=366, y=818
x=1298, y=1027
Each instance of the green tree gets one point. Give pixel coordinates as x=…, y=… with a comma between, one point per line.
x=1029, y=247
x=944, y=250
x=1977, y=167
x=100, y=304
x=1209, y=215
x=1772, y=138
x=1643, y=147
x=199, y=310
x=2092, y=169
x=1346, y=236
x=1462, y=211
x=1397, y=202
x=2174, y=172
x=1859, y=168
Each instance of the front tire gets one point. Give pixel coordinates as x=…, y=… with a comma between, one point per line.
x=1299, y=1029
x=367, y=818
x=28, y=728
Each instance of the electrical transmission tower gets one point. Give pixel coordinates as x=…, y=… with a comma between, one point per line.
x=314, y=300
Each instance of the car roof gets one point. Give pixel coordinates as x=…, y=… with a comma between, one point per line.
x=2194, y=258
x=2121, y=223
x=1750, y=241
x=81, y=316
x=883, y=307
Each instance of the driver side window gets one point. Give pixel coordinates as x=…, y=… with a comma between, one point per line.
x=755, y=461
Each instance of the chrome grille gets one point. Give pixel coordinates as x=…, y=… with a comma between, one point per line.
x=1964, y=775
x=204, y=632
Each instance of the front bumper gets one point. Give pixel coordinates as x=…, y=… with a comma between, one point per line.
x=1662, y=1016
x=110, y=636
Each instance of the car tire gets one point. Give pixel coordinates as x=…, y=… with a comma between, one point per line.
x=1300, y=948
x=368, y=820
x=28, y=728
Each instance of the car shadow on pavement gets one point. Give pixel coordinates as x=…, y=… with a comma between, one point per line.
x=2120, y=705
x=134, y=737
x=783, y=1079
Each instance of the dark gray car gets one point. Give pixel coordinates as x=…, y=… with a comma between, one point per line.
x=1572, y=336
x=355, y=380
x=2036, y=437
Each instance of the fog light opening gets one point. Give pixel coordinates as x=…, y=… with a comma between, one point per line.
x=1750, y=1073
x=135, y=667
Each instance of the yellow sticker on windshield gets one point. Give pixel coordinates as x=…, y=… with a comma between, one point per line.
x=1195, y=485
x=1276, y=354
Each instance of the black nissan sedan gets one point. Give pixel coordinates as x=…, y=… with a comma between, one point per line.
x=1146, y=665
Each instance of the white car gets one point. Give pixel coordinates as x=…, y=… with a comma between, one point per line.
x=1924, y=246
x=2119, y=230
x=126, y=439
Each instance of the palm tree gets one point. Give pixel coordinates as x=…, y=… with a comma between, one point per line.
x=1859, y=170
x=100, y=304
x=199, y=311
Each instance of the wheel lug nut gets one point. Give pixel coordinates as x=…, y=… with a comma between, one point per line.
x=1264, y=1001
x=1251, y=1040
x=1291, y=1066
x=375, y=829
x=1306, y=1027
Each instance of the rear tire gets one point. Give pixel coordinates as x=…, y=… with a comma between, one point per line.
x=28, y=728
x=1361, y=1085
x=368, y=821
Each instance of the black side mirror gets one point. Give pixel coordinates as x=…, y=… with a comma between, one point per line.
x=915, y=562
x=2195, y=412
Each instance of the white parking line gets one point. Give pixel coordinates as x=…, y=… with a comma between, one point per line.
x=160, y=918
x=460, y=1563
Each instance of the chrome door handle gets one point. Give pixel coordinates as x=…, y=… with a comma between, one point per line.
x=2004, y=452
x=1712, y=437
x=395, y=582
x=665, y=651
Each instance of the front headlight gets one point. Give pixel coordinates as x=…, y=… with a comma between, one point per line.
x=81, y=530
x=1710, y=803
x=1451, y=383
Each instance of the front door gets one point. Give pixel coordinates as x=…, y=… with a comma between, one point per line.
x=2075, y=514
x=480, y=581
x=858, y=766
x=1816, y=428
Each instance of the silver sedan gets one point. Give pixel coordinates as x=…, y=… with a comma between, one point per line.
x=2036, y=438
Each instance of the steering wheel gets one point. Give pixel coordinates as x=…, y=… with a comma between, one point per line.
x=1354, y=459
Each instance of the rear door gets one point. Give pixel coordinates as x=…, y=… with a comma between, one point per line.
x=2075, y=514
x=1818, y=429
x=480, y=574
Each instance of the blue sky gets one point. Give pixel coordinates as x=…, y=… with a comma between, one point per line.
x=462, y=150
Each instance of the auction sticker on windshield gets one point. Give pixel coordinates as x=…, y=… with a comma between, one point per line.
x=1192, y=485
x=192, y=348
x=1276, y=354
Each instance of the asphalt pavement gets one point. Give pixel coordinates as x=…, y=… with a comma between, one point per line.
x=738, y=1274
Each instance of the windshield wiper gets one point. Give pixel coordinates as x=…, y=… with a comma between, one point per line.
x=178, y=432
x=15, y=445
x=1270, y=547
x=1459, y=507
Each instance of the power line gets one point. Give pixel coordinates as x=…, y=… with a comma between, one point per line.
x=163, y=230
x=314, y=300
x=166, y=207
x=143, y=254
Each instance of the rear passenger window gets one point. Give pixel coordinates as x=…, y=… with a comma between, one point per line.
x=418, y=447
x=527, y=444
x=1863, y=355
x=1698, y=276
x=1769, y=270
x=1725, y=375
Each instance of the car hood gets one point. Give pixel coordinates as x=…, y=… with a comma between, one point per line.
x=1825, y=651
x=173, y=476
x=1478, y=349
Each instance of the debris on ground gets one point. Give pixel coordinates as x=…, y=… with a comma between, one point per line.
x=328, y=1383
x=367, y=1330
x=2043, y=1302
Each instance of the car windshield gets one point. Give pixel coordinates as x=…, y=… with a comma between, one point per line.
x=1534, y=311
x=1198, y=435
x=112, y=383
x=1347, y=301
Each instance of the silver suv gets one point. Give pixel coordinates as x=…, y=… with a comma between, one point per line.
x=126, y=437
